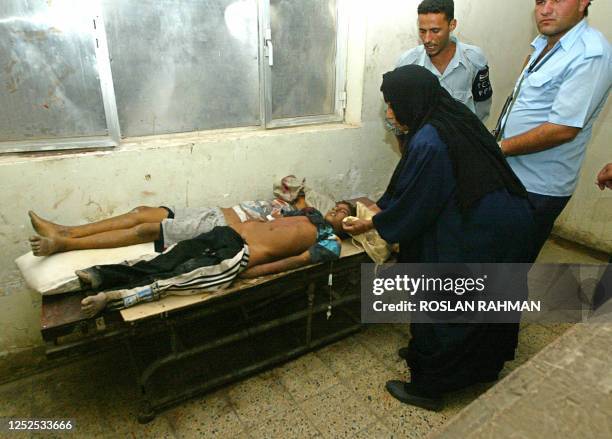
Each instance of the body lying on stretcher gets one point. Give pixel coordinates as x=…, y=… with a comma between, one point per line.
x=214, y=259
x=209, y=262
x=163, y=225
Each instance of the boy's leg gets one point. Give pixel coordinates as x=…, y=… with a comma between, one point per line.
x=189, y=265
x=44, y=246
x=119, y=299
x=139, y=215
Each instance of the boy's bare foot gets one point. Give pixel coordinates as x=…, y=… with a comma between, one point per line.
x=46, y=228
x=92, y=305
x=89, y=278
x=42, y=246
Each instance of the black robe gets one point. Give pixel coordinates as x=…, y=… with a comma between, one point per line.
x=421, y=212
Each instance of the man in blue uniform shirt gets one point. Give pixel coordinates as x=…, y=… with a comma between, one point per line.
x=547, y=123
x=461, y=68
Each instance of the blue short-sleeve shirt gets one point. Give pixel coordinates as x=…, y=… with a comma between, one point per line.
x=466, y=77
x=569, y=89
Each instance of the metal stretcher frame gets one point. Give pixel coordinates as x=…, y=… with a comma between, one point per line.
x=67, y=332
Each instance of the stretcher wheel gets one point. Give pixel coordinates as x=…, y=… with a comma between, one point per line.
x=145, y=413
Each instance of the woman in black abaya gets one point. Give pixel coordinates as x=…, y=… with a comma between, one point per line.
x=452, y=198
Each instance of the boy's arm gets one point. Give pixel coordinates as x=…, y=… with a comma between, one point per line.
x=281, y=265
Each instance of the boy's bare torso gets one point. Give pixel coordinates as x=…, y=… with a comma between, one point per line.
x=278, y=239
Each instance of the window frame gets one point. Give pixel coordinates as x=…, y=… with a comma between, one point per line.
x=113, y=138
x=340, y=77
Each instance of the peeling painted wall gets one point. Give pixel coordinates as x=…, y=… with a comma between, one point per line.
x=78, y=188
x=220, y=169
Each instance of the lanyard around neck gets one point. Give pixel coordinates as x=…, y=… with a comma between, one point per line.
x=533, y=67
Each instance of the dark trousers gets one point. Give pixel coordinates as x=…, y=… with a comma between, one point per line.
x=204, y=250
x=546, y=210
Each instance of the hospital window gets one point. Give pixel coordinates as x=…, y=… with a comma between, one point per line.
x=86, y=73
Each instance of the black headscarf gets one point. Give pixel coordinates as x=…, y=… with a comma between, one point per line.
x=417, y=98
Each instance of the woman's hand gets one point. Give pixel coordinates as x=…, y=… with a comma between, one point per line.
x=356, y=226
x=374, y=208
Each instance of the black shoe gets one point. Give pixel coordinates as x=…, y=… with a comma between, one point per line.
x=403, y=353
x=409, y=394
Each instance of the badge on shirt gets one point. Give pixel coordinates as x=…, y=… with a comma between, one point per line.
x=481, y=87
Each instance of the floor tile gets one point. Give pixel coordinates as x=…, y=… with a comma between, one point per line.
x=375, y=431
x=243, y=435
x=259, y=398
x=534, y=338
x=16, y=399
x=402, y=328
x=369, y=388
x=558, y=328
x=210, y=416
x=293, y=424
x=413, y=422
x=384, y=343
x=306, y=376
x=456, y=401
x=347, y=357
x=123, y=421
x=84, y=416
x=337, y=413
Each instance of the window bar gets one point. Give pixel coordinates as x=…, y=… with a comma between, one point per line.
x=106, y=79
x=108, y=97
x=340, y=78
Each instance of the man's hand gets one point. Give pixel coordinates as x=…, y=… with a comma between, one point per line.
x=604, y=178
x=356, y=226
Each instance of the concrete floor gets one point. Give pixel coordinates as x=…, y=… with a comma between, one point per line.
x=336, y=392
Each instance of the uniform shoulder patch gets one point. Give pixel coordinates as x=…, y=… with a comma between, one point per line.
x=475, y=55
x=482, y=89
x=593, y=46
